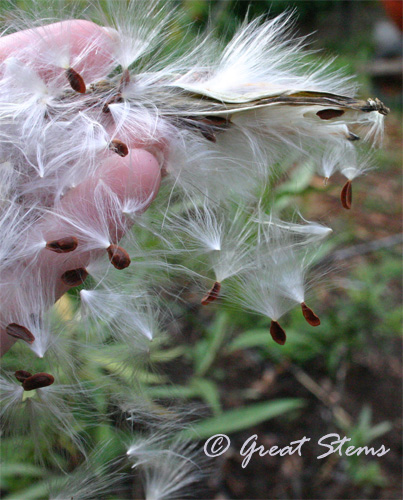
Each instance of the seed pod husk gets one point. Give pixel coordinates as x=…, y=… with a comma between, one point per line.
x=118, y=256
x=346, y=195
x=119, y=147
x=309, y=315
x=277, y=333
x=37, y=381
x=63, y=245
x=74, y=277
x=20, y=332
x=22, y=375
x=212, y=294
x=75, y=80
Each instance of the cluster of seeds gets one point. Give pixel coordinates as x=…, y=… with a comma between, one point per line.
x=84, y=111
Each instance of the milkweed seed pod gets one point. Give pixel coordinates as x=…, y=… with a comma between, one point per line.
x=95, y=121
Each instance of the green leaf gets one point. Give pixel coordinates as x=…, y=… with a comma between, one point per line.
x=216, y=336
x=11, y=469
x=252, y=338
x=38, y=491
x=14, y=473
x=379, y=430
x=102, y=361
x=298, y=181
x=172, y=392
x=209, y=392
x=163, y=356
x=242, y=418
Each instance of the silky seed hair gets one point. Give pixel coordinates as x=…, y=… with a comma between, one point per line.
x=36, y=406
x=224, y=122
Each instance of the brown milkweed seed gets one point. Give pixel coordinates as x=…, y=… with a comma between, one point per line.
x=63, y=245
x=353, y=137
x=118, y=256
x=74, y=277
x=114, y=99
x=212, y=294
x=309, y=315
x=346, y=195
x=119, y=147
x=277, y=333
x=209, y=135
x=209, y=126
x=328, y=114
x=75, y=80
x=218, y=121
x=37, y=381
x=20, y=332
x=22, y=375
x=125, y=78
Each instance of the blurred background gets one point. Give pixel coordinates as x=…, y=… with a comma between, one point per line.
x=346, y=376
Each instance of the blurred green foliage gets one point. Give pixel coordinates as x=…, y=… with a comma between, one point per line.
x=365, y=315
